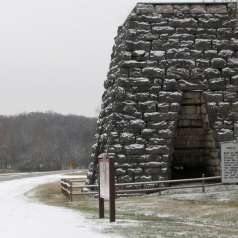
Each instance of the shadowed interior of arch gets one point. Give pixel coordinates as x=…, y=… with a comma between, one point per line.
x=195, y=149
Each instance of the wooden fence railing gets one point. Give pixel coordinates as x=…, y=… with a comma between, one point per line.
x=75, y=187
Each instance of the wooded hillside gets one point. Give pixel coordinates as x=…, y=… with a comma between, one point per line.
x=45, y=141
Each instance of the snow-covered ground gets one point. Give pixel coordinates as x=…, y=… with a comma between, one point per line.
x=11, y=176
x=20, y=217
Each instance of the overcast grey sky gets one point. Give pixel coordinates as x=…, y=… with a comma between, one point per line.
x=55, y=54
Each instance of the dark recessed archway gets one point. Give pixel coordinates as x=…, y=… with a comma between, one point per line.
x=194, y=145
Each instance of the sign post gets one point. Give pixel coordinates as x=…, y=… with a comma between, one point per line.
x=107, y=187
x=236, y=131
x=229, y=162
x=112, y=197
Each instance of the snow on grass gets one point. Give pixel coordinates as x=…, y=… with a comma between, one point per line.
x=180, y=213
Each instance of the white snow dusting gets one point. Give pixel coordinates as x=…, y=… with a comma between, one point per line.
x=22, y=218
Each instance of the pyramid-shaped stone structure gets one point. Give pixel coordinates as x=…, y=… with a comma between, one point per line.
x=171, y=94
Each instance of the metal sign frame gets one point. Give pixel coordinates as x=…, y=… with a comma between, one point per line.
x=107, y=174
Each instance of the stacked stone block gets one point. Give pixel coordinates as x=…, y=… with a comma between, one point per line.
x=161, y=52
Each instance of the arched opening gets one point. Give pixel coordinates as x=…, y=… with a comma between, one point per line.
x=195, y=150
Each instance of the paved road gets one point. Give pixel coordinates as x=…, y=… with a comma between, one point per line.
x=11, y=176
x=23, y=218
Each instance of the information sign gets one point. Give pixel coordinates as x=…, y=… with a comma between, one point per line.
x=107, y=189
x=229, y=162
x=104, y=179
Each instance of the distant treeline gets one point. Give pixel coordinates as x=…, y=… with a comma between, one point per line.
x=45, y=141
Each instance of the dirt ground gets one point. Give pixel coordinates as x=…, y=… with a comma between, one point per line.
x=186, y=213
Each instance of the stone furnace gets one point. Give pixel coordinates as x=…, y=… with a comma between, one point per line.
x=171, y=94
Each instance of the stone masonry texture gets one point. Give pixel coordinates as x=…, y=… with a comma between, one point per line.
x=171, y=93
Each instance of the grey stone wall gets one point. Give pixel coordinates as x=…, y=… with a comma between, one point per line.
x=161, y=52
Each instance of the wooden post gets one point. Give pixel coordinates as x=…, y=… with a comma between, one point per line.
x=101, y=207
x=71, y=191
x=100, y=203
x=203, y=183
x=112, y=191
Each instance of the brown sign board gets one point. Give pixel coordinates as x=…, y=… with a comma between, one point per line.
x=229, y=162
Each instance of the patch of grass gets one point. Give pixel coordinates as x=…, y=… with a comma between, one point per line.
x=157, y=216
